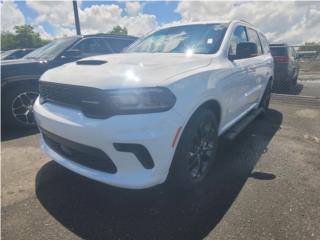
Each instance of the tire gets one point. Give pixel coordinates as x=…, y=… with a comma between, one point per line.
x=265, y=101
x=17, y=105
x=193, y=158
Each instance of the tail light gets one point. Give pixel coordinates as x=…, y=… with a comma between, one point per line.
x=281, y=59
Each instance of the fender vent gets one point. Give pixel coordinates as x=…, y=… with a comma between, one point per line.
x=91, y=62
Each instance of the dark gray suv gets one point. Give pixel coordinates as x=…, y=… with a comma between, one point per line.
x=286, y=67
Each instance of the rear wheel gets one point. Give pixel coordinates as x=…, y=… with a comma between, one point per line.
x=18, y=105
x=195, y=152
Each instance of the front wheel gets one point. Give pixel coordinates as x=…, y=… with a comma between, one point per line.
x=195, y=152
x=18, y=105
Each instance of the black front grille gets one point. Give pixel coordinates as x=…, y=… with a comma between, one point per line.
x=92, y=101
x=85, y=155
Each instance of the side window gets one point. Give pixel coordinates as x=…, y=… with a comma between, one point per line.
x=253, y=37
x=92, y=46
x=118, y=44
x=18, y=54
x=239, y=35
x=264, y=43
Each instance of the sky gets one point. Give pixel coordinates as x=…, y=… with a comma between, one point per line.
x=293, y=22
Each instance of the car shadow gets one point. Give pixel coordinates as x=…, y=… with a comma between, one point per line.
x=10, y=133
x=93, y=210
x=295, y=91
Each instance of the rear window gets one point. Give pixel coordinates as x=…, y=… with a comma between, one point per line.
x=278, y=51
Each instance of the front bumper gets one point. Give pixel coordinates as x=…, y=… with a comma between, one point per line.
x=154, y=131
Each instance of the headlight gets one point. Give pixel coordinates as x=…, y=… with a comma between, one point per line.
x=99, y=103
x=141, y=100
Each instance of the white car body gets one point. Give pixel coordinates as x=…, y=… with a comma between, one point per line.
x=235, y=86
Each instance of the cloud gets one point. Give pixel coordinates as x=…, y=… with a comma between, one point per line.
x=102, y=18
x=140, y=25
x=291, y=22
x=56, y=13
x=10, y=16
x=43, y=33
x=133, y=8
x=98, y=18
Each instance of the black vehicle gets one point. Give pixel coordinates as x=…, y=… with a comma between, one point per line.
x=15, y=53
x=286, y=67
x=19, y=78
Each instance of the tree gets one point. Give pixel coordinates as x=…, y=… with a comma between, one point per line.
x=24, y=37
x=119, y=30
x=8, y=41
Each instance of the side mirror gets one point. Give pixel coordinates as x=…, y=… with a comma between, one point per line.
x=246, y=50
x=72, y=54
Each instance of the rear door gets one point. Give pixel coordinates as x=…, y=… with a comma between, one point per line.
x=257, y=70
x=237, y=84
x=267, y=60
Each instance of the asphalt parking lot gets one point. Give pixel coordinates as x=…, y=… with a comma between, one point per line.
x=265, y=185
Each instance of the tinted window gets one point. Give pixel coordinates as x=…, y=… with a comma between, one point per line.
x=52, y=49
x=195, y=38
x=93, y=46
x=7, y=54
x=265, y=43
x=239, y=35
x=253, y=37
x=118, y=44
x=278, y=51
x=20, y=54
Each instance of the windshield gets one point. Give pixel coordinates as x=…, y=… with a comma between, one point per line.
x=52, y=49
x=6, y=54
x=198, y=39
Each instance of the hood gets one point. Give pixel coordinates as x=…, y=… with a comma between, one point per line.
x=125, y=70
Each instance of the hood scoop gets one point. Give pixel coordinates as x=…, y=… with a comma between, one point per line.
x=91, y=62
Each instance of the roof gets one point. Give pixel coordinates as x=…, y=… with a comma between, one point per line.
x=110, y=35
x=208, y=22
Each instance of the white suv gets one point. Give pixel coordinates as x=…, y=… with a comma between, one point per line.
x=154, y=113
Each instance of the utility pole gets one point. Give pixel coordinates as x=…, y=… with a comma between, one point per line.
x=76, y=16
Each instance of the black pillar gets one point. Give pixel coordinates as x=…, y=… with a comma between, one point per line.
x=76, y=16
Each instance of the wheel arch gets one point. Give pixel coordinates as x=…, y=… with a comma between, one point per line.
x=214, y=106
x=211, y=104
x=13, y=83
